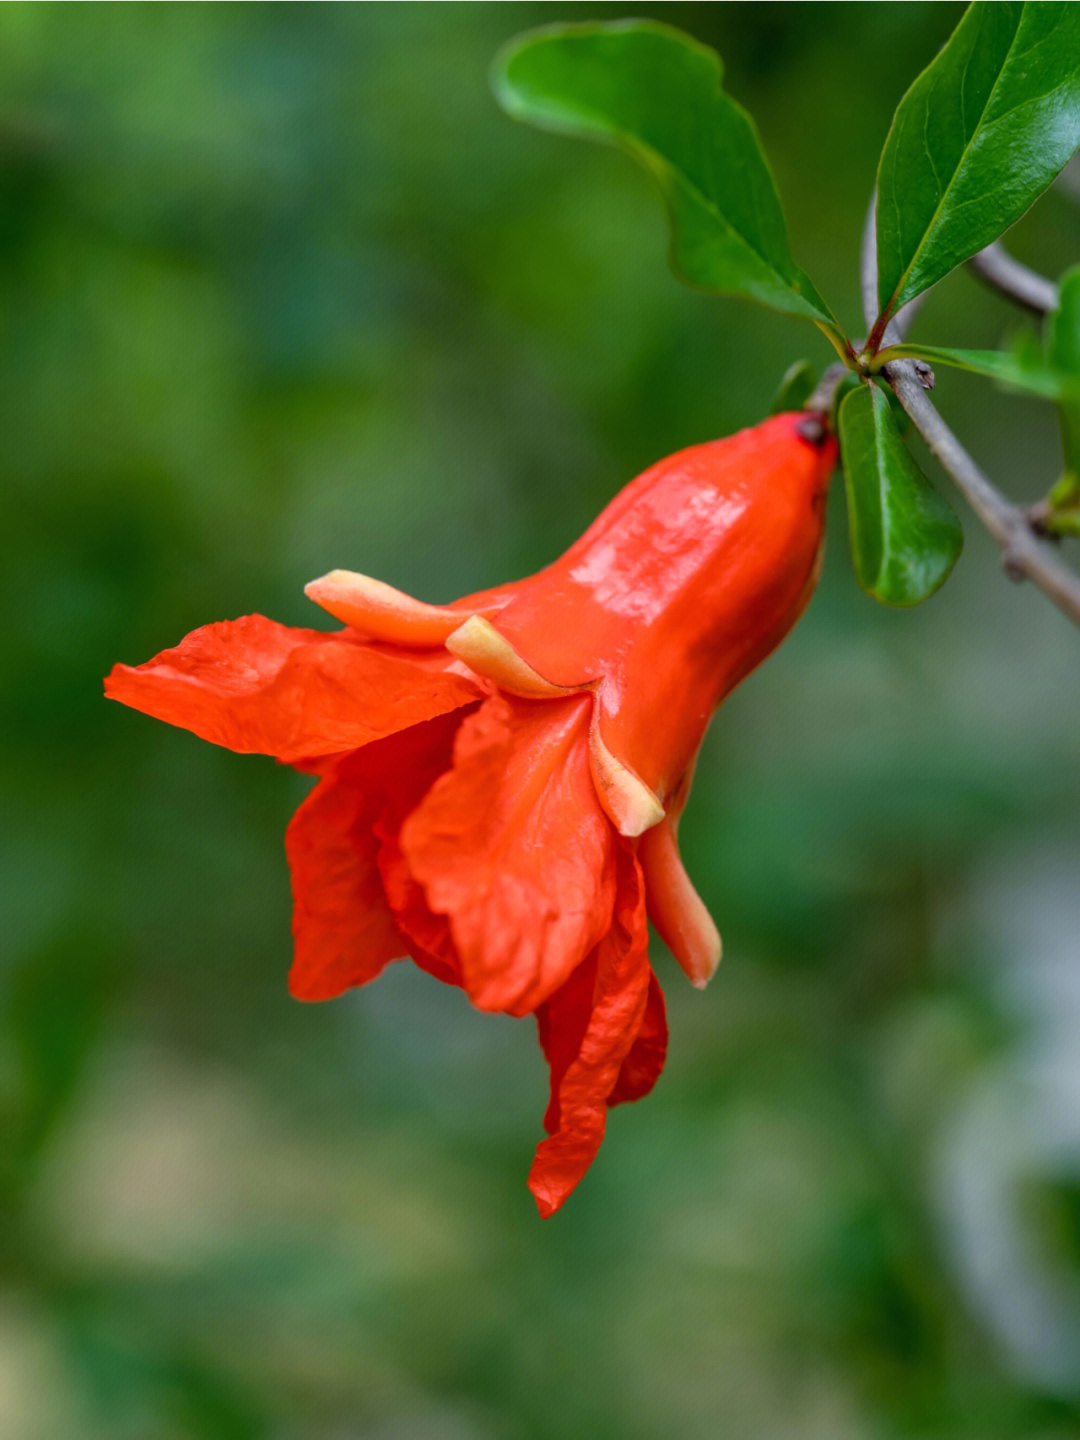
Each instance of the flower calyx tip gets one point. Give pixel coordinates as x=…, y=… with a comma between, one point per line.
x=629, y=803
x=675, y=908
x=491, y=655
x=380, y=612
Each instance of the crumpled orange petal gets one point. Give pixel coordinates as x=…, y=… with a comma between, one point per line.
x=257, y=687
x=430, y=942
x=561, y=1023
x=643, y=1065
x=618, y=1006
x=513, y=846
x=344, y=927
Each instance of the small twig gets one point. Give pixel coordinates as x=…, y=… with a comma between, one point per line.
x=820, y=402
x=901, y=322
x=1015, y=281
x=1023, y=554
x=824, y=395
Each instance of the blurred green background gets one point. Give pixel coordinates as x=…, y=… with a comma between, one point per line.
x=281, y=290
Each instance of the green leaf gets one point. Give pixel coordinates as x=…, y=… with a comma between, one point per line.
x=1022, y=368
x=1062, y=509
x=1063, y=337
x=1063, y=355
x=795, y=388
x=904, y=537
x=656, y=93
x=978, y=137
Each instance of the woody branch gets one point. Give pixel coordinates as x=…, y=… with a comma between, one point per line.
x=1024, y=555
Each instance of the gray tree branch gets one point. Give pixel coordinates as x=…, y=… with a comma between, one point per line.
x=1024, y=555
x=1016, y=282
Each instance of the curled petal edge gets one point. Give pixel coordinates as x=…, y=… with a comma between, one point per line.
x=380, y=612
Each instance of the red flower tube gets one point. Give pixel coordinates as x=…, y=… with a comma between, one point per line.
x=501, y=779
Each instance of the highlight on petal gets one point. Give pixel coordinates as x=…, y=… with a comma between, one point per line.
x=490, y=654
x=632, y=807
x=618, y=1007
x=257, y=687
x=513, y=846
x=345, y=931
x=380, y=612
x=681, y=586
x=675, y=907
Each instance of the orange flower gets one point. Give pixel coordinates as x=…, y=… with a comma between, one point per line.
x=501, y=779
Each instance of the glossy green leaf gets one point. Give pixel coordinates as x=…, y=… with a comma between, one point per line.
x=1062, y=508
x=1062, y=511
x=1063, y=355
x=657, y=93
x=1023, y=368
x=1063, y=333
x=904, y=536
x=978, y=137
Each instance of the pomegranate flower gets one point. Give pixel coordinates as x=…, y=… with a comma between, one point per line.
x=501, y=779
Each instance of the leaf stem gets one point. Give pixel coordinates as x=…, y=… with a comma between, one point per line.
x=878, y=331
x=1023, y=554
x=840, y=343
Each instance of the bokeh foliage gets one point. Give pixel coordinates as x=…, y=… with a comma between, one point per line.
x=281, y=289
